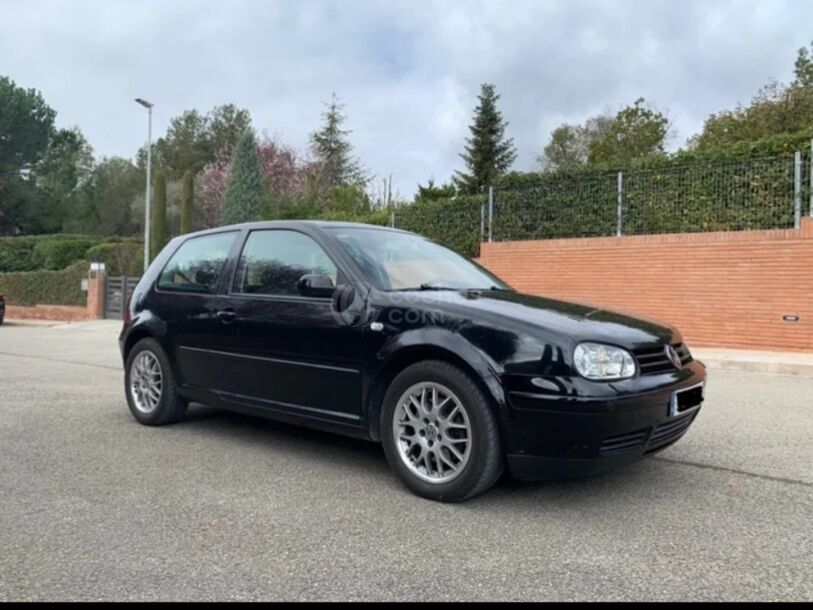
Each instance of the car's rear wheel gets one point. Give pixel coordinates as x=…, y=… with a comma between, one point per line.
x=150, y=386
x=439, y=432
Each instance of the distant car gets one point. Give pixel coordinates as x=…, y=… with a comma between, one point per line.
x=2, y=308
x=385, y=335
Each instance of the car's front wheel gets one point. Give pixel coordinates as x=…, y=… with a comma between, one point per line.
x=150, y=386
x=439, y=432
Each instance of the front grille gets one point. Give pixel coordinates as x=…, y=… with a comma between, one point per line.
x=648, y=438
x=623, y=442
x=653, y=360
x=669, y=432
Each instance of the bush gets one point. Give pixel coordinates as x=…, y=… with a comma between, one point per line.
x=688, y=193
x=46, y=287
x=123, y=258
x=55, y=254
x=15, y=253
x=455, y=223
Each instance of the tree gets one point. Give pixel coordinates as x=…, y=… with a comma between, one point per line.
x=569, y=145
x=431, y=192
x=244, y=190
x=226, y=124
x=65, y=167
x=488, y=154
x=637, y=132
x=284, y=177
x=775, y=109
x=186, y=145
x=26, y=126
x=187, y=197
x=211, y=188
x=102, y=203
x=803, y=68
x=333, y=150
x=159, y=235
x=194, y=140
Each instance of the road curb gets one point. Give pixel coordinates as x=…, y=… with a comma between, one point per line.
x=773, y=364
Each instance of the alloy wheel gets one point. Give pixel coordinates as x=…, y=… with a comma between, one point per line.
x=146, y=382
x=432, y=432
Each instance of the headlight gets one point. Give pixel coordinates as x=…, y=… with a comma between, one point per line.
x=603, y=362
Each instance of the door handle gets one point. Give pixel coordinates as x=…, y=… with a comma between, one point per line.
x=226, y=315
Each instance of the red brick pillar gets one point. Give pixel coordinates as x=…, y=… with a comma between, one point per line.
x=96, y=294
x=807, y=226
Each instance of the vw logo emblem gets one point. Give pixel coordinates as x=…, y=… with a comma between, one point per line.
x=673, y=356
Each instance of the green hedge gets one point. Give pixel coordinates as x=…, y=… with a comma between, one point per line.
x=685, y=194
x=455, y=222
x=16, y=253
x=125, y=258
x=53, y=252
x=46, y=287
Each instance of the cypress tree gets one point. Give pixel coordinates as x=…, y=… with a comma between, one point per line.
x=187, y=194
x=244, y=189
x=332, y=147
x=488, y=154
x=158, y=232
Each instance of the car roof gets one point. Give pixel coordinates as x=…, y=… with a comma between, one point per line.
x=294, y=224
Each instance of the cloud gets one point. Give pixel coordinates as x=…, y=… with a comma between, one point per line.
x=408, y=71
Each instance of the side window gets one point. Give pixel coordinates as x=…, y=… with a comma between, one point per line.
x=273, y=261
x=198, y=264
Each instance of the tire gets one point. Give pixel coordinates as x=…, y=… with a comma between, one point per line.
x=168, y=407
x=423, y=459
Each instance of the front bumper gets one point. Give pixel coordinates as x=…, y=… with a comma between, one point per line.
x=572, y=434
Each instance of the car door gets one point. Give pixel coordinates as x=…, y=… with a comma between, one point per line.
x=184, y=299
x=280, y=349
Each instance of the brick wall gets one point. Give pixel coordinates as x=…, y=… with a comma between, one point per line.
x=719, y=289
x=64, y=313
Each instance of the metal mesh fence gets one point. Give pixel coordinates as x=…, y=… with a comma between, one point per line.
x=459, y=223
x=583, y=206
x=732, y=196
x=756, y=193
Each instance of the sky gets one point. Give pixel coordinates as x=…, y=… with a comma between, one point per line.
x=408, y=70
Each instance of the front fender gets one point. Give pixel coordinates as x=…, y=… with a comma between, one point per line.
x=425, y=343
x=443, y=339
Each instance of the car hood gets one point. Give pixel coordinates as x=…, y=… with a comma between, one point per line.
x=534, y=314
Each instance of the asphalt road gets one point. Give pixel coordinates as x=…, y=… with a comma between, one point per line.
x=224, y=507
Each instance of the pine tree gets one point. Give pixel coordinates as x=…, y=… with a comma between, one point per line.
x=488, y=154
x=242, y=201
x=158, y=227
x=803, y=68
x=187, y=194
x=333, y=149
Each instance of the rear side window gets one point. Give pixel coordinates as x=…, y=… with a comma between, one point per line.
x=198, y=264
x=273, y=262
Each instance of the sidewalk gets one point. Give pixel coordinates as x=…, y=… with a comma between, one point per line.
x=786, y=363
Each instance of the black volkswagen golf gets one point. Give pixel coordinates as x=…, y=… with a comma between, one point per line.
x=385, y=335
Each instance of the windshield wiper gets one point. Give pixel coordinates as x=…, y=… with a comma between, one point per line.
x=423, y=287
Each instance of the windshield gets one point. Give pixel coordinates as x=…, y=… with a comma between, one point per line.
x=404, y=261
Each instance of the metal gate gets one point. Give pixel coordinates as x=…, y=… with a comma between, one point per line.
x=117, y=293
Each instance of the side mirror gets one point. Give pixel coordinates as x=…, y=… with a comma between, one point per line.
x=313, y=285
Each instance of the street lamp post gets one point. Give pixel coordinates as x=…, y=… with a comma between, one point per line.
x=148, y=197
